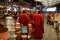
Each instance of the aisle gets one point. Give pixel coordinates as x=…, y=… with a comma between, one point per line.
x=49, y=34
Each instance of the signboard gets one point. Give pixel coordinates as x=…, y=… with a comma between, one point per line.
x=24, y=29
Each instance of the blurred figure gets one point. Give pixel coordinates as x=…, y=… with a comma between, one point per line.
x=15, y=16
x=56, y=20
x=59, y=21
x=39, y=25
x=31, y=14
x=24, y=19
x=30, y=25
x=52, y=19
x=31, y=17
x=48, y=19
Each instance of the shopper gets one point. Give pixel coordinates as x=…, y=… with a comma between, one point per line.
x=39, y=25
x=59, y=21
x=31, y=17
x=48, y=19
x=56, y=20
x=15, y=15
x=52, y=19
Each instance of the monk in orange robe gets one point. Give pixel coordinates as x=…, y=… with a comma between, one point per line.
x=39, y=25
x=24, y=19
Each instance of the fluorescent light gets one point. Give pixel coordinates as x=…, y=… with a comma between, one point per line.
x=51, y=9
x=48, y=2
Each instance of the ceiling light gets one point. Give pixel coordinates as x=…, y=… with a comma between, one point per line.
x=48, y=2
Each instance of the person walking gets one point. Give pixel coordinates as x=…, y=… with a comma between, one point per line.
x=39, y=25
x=52, y=19
x=48, y=19
x=58, y=21
x=24, y=18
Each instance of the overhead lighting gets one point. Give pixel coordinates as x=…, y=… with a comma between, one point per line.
x=51, y=9
x=48, y=2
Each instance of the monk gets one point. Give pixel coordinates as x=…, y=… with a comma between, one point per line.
x=24, y=19
x=39, y=25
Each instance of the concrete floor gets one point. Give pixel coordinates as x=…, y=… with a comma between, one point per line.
x=49, y=34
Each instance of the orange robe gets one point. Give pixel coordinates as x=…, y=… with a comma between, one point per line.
x=24, y=19
x=39, y=25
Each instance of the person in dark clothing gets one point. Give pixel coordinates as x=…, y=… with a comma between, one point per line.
x=48, y=19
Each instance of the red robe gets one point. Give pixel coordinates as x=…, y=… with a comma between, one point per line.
x=24, y=19
x=39, y=25
x=31, y=15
